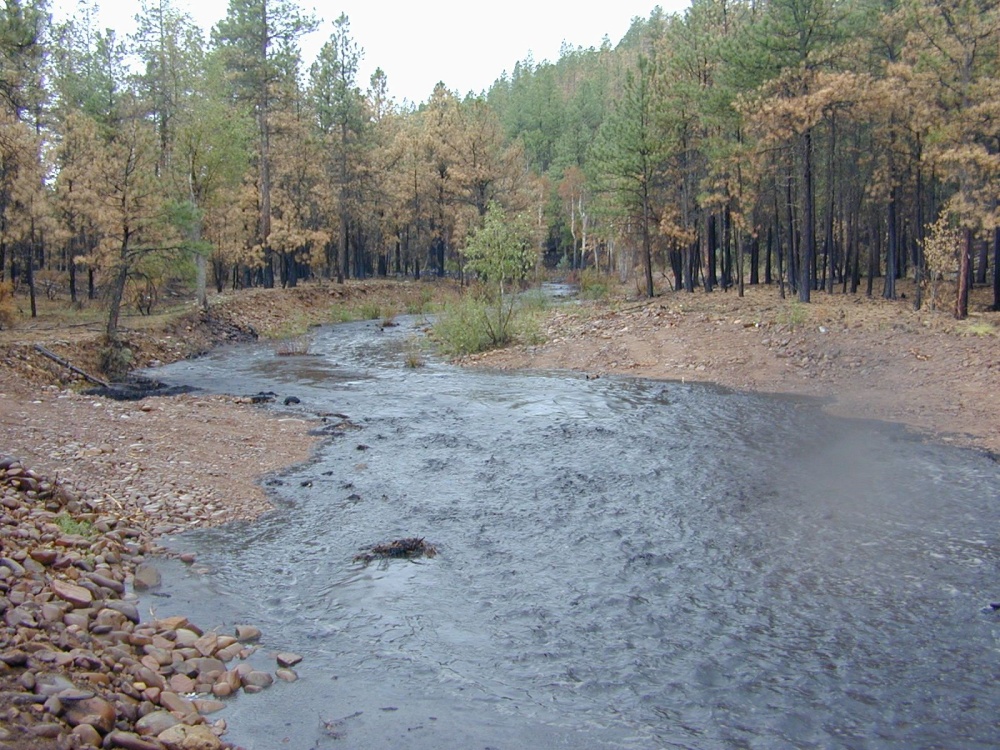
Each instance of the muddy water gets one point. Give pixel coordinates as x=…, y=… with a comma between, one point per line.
x=623, y=564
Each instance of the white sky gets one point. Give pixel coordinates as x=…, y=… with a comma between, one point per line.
x=467, y=45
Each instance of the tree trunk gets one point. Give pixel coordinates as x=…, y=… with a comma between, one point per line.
x=117, y=295
x=677, y=267
x=265, y=198
x=808, y=256
x=691, y=266
x=792, y=247
x=72, y=280
x=854, y=251
x=982, y=262
x=874, y=256
x=29, y=276
x=727, y=248
x=647, y=245
x=996, y=270
x=830, y=255
x=964, y=277
x=891, y=250
x=711, y=277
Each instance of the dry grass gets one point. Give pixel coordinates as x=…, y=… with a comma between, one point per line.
x=296, y=346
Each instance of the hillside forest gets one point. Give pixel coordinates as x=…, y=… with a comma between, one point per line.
x=821, y=146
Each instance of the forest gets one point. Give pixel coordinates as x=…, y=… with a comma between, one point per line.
x=821, y=146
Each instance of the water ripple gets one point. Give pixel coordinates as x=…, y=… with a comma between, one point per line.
x=623, y=564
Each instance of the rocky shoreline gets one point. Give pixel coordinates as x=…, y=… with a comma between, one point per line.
x=78, y=666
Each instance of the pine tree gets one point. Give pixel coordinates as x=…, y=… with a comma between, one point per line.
x=258, y=40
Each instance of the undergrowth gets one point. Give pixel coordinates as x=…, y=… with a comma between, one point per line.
x=469, y=326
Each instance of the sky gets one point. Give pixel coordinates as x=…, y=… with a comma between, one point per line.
x=419, y=43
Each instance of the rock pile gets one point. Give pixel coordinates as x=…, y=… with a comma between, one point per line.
x=78, y=667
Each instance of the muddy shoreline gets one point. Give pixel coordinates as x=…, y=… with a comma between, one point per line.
x=866, y=358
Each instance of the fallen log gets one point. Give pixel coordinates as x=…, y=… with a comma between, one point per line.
x=68, y=365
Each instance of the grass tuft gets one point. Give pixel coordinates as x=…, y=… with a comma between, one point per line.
x=69, y=525
x=979, y=328
x=292, y=347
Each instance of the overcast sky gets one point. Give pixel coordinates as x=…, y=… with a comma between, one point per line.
x=467, y=45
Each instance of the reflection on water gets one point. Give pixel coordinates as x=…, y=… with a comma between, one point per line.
x=622, y=564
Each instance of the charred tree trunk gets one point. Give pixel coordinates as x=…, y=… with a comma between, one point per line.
x=918, y=244
x=710, y=239
x=808, y=255
x=676, y=267
x=755, y=258
x=982, y=262
x=964, y=276
x=891, y=250
x=727, y=248
x=117, y=295
x=996, y=270
x=647, y=242
x=691, y=266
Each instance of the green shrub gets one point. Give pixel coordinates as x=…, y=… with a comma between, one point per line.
x=593, y=285
x=115, y=358
x=340, y=314
x=796, y=314
x=533, y=300
x=462, y=327
x=369, y=310
x=421, y=305
x=477, y=324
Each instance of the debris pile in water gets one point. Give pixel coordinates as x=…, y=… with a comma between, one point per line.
x=408, y=548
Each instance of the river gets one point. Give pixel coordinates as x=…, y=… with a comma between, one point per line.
x=622, y=564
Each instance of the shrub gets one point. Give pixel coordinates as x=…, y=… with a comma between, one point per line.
x=463, y=327
x=369, y=310
x=593, y=285
x=115, y=359
x=421, y=305
x=533, y=300
x=500, y=253
x=8, y=310
x=796, y=314
x=942, y=246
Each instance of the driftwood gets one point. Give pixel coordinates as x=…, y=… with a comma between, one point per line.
x=407, y=548
x=59, y=360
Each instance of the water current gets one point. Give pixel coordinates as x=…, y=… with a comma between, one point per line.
x=622, y=564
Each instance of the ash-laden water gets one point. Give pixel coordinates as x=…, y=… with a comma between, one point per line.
x=621, y=564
